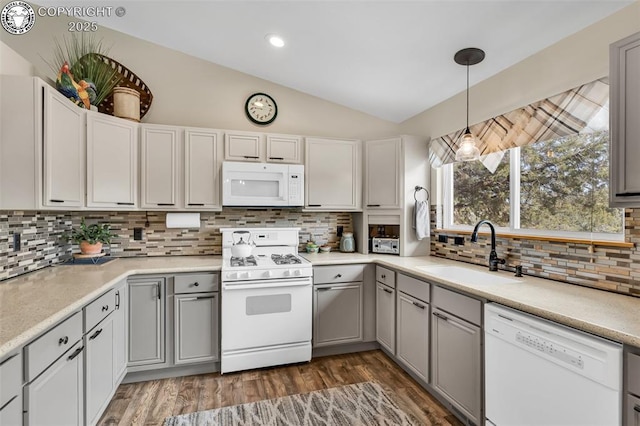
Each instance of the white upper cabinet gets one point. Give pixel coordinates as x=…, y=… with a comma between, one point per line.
x=333, y=174
x=624, y=173
x=160, y=166
x=284, y=149
x=64, y=152
x=243, y=146
x=202, y=160
x=262, y=147
x=112, y=162
x=383, y=173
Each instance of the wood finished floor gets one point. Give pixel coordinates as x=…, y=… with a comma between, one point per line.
x=148, y=403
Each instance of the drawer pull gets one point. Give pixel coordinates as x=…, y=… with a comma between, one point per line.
x=386, y=290
x=251, y=157
x=418, y=305
x=276, y=158
x=383, y=276
x=63, y=340
x=636, y=408
x=57, y=201
x=324, y=288
x=373, y=205
x=8, y=359
x=75, y=353
x=166, y=204
x=8, y=402
x=105, y=308
x=196, y=204
x=314, y=205
x=96, y=334
x=196, y=284
x=338, y=276
x=120, y=203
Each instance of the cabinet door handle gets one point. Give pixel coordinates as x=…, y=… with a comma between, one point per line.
x=57, y=201
x=166, y=204
x=383, y=276
x=251, y=157
x=8, y=402
x=63, y=340
x=314, y=205
x=442, y=317
x=205, y=297
x=8, y=359
x=627, y=194
x=196, y=204
x=373, y=205
x=118, y=299
x=276, y=158
x=75, y=353
x=196, y=284
x=124, y=204
x=159, y=295
x=386, y=290
x=418, y=305
x=636, y=408
x=105, y=308
x=338, y=276
x=96, y=334
x=324, y=288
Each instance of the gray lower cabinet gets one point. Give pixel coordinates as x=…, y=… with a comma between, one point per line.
x=632, y=380
x=99, y=369
x=11, y=390
x=120, y=331
x=386, y=317
x=56, y=397
x=146, y=321
x=337, y=314
x=412, y=334
x=456, y=366
x=196, y=327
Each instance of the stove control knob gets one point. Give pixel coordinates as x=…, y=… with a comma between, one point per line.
x=247, y=274
x=268, y=274
x=297, y=272
x=232, y=275
x=287, y=273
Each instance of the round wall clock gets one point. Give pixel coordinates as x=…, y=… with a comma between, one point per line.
x=261, y=108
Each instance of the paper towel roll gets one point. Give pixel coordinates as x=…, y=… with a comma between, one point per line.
x=183, y=220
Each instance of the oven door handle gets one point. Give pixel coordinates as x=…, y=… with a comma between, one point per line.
x=276, y=284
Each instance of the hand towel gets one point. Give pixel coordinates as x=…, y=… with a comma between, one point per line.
x=421, y=219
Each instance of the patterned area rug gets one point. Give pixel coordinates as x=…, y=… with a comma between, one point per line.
x=360, y=404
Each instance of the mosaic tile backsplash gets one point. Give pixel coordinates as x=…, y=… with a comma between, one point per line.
x=43, y=242
x=606, y=268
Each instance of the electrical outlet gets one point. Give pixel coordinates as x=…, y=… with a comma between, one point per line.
x=17, y=242
x=137, y=234
x=443, y=239
x=459, y=241
x=339, y=231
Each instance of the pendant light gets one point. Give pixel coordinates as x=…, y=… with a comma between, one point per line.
x=467, y=146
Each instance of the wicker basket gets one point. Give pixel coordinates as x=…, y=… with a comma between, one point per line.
x=130, y=80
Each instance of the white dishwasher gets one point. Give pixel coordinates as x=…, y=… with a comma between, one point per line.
x=538, y=372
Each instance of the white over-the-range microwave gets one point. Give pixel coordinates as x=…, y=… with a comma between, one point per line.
x=262, y=184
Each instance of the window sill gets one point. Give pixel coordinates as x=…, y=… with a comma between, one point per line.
x=602, y=243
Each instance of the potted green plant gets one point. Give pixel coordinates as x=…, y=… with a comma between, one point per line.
x=91, y=237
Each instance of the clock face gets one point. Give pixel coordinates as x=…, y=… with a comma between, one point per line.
x=261, y=108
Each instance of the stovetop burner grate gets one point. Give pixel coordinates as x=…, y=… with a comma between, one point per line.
x=285, y=259
x=244, y=261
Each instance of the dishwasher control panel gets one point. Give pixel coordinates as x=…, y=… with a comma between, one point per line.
x=553, y=349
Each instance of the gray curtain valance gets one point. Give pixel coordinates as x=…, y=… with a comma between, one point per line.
x=561, y=115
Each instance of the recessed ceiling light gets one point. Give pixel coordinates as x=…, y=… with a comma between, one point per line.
x=275, y=40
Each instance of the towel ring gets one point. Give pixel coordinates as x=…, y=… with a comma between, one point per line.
x=419, y=188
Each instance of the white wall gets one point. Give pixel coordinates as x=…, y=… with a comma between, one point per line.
x=193, y=92
x=575, y=60
x=11, y=63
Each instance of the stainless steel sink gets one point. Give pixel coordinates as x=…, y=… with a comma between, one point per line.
x=460, y=275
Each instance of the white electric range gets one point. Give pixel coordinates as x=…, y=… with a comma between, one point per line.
x=266, y=301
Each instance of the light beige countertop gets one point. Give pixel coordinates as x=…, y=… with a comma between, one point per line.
x=32, y=303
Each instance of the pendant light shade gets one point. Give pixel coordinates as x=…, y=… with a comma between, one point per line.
x=467, y=146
